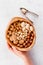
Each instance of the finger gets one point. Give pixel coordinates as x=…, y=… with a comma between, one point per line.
x=23, y=52
x=16, y=51
x=9, y=46
x=12, y=48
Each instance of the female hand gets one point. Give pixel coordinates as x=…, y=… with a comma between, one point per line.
x=23, y=54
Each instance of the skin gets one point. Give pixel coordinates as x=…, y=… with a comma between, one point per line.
x=23, y=54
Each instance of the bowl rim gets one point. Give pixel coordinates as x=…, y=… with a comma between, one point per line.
x=25, y=20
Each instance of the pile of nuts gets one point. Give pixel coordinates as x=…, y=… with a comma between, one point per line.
x=21, y=34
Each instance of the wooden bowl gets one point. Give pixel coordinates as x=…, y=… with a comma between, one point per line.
x=21, y=34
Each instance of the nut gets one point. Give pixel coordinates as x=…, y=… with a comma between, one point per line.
x=8, y=36
x=21, y=46
x=28, y=44
x=31, y=38
x=31, y=28
x=9, y=32
x=11, y=39
x=24, y=44
x=15, y=42
x=27, y=26
x=28, y=36
x=21, y=41
x=18, y=45
x=30, y=41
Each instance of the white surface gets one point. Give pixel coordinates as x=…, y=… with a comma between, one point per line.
x=9, y=9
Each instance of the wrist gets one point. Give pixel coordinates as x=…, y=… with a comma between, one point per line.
x=27, y=60
x=25, y=56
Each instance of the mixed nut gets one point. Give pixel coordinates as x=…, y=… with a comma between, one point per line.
x=21, y=34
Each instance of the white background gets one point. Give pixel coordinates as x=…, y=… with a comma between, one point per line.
x=10, y=9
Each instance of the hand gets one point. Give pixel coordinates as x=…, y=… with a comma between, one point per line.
x=22, y=54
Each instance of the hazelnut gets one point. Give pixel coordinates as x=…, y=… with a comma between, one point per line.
x=11, y=39
x=28, y=44
x=15, y=41
x=21, y=41
x=26, y=41
x=19, y=28
x=18, y=45
x=11, y=26
x=30, y=41
x=31, y=38
x=9, y=32
x=32, y=34
x=28, y=36
x=8, y=36
x=24, y=44
x=11, y=29
x=21, y=46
